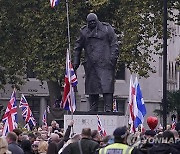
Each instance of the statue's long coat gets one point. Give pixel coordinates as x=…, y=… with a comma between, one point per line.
x=101, y=53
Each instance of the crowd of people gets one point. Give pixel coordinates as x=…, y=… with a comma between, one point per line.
x=55, y=140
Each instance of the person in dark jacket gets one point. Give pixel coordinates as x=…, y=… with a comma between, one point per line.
x=96, y=136
x=52, y=148
x=26, y=146
x=145, y=144
x=65, y=138
x=165, y=147
x=12, y=144
x=83, y=146
x=18, y=132
x=100, y=45
x=176, y=145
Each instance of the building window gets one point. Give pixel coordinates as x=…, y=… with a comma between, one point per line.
x=120, y=73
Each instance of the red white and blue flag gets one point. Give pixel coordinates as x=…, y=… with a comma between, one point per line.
x=136, y=105
x=139, y=106
x=173, y=125
x=131, y=108
x=44, y=118
x=101, y=130
x=26, y=112
x=54, y=3
x=68, y=101
x=10, y=116
x=115, y=105
x=26, y=126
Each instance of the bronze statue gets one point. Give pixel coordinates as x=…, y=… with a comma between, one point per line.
x=100, y=45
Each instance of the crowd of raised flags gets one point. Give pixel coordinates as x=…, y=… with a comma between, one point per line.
x=10, y=116
x=136, y=106
x=68, y=103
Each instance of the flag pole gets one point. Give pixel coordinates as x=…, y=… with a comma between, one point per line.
x=69, y=46
x=69, y=50
x=68, y=29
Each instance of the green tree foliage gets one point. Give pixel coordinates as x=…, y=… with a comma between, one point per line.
x=173, y=103
x=34, y=34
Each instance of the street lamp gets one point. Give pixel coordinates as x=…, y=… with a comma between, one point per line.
x=165, y=14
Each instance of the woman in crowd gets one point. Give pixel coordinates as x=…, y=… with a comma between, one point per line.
x=42, y=148
x=4, y=146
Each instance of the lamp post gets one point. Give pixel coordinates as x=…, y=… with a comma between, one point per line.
x=165, y=64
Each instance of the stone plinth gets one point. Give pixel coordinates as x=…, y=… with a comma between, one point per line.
x=109, y=122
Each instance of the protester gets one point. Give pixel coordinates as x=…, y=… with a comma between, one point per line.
x=19, y=135
x=32, y=138
x=65, y=138
x=90, y=142
x=165, y=147
x=96, y=136
x=106, y=140
x=4, y=146
x=42, y=147
x=26, y=147
x=83, y=146
x=55, y=126
x=52, y=148
x=74, y=139
x=35, y=147
x=145, y=145
x=12, y=144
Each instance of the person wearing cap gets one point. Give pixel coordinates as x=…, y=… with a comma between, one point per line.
x=100, y=45
x=119, y=146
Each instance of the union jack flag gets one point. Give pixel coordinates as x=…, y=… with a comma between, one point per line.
x=26, y=126
x=173, y=125
x=10, y=116
x=115, y=106
x=54, y=3
x=68, y=101
x=26, y=112
x=101, y=130
x=44, y=119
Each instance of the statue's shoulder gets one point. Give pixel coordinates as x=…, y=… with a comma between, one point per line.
x=106, y=27
x=106, y=24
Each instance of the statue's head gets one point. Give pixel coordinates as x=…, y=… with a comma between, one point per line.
x=92, y=20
